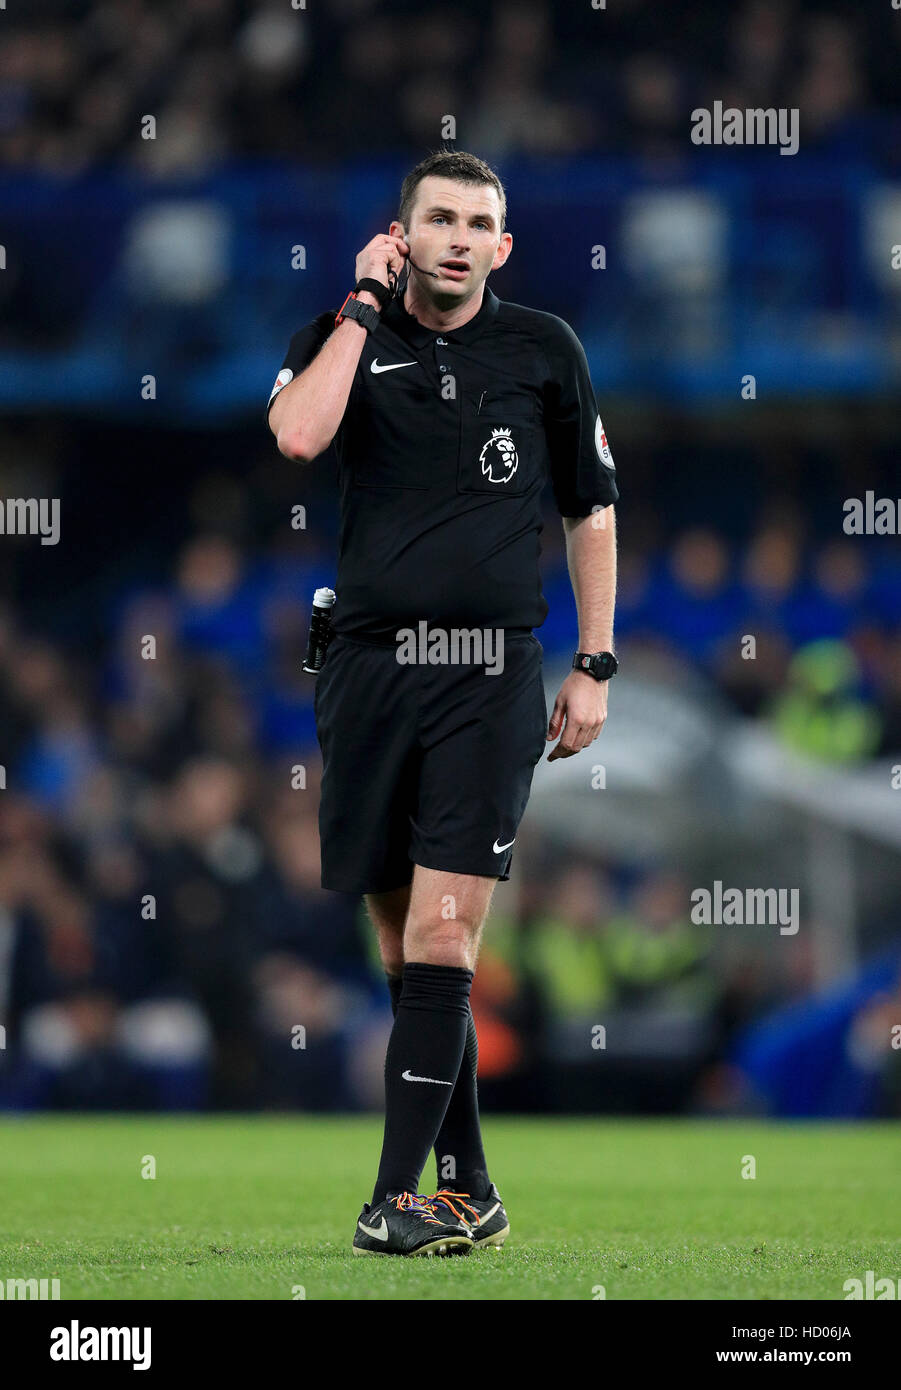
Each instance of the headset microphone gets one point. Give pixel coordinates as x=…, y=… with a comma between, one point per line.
x=434, y=274
x=398, y=283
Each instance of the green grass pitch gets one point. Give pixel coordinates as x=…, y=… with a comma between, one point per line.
x=263, y=1207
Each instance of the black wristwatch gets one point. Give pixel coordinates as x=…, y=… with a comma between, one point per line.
x=354, y=308
x=601, y=665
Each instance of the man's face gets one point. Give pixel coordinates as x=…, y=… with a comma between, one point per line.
x=455, y=231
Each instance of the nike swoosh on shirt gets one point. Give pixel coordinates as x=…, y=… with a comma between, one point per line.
x=408, y=1077
x=498, y=848
x=388, y=367
x=377, y=1232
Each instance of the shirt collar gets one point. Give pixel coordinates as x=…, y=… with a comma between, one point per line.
x=413, y=332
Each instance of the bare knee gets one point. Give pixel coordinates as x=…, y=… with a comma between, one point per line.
x=448, y=943
x=388, y=913
x=442, y=943
x=444, y=921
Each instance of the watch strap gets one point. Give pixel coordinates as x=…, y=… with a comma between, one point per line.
x=376, y=288
x=353, y=308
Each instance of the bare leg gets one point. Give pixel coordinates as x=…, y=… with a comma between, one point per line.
x=445, y=917
x=388, y=913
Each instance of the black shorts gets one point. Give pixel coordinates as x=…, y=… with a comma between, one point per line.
x=424, y=764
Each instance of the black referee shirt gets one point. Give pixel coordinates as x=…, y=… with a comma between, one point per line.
x=443, y=453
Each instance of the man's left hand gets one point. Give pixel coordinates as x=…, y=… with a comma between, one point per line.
x=582, y=704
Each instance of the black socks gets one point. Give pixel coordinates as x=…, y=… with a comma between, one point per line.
x=421, y=1067
x=459, y=1154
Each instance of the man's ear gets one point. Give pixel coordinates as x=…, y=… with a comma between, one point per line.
x=397, y=229
x=502, y=254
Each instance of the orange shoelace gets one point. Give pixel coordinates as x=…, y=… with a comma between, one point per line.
x=412, y=1201
x=448, y=1197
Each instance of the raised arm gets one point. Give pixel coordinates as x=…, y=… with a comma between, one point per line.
x=306, y=413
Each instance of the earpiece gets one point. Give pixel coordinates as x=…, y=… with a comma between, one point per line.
x=398, y=283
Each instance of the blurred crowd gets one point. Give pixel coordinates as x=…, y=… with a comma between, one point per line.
x=808, y=638
x=265, y=78
x=164, y=939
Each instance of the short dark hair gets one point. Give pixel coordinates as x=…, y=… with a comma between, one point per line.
x=450, y=164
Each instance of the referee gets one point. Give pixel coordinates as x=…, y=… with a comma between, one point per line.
x=448, y=409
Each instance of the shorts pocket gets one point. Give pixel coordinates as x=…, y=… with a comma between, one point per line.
x=543, y=714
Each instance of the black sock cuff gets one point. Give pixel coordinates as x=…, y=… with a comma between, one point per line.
x=424, y=968
x=436, y=986
x=395, y=985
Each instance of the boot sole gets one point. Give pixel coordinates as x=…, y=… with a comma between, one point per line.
x=497, y=1239
x=448, y=1245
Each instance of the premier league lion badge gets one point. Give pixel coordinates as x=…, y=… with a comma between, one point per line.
x=499, y=459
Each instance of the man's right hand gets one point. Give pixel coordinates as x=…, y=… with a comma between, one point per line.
x=380, y=255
